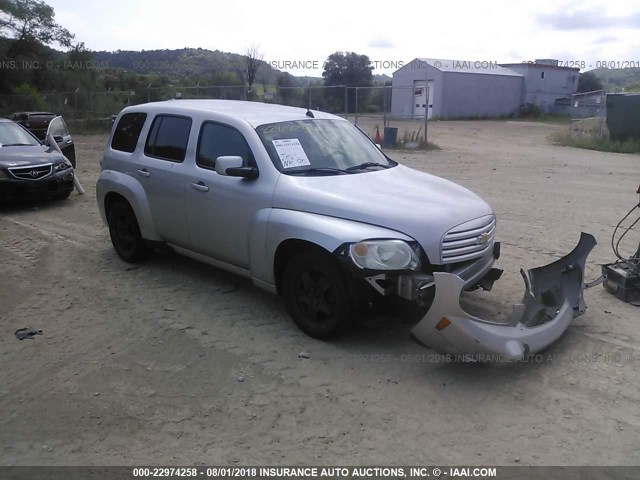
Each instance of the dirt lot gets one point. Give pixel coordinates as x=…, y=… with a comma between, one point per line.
x=173, y=362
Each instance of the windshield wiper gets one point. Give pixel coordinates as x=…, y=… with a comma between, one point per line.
x=16, y=144
x=367, y=165
x=325, y=170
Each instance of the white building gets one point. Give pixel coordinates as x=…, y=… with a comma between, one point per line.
x=472, y=89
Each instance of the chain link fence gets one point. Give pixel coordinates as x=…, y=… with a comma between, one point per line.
x=92, y=111
x=367, y=107
x=588, y=113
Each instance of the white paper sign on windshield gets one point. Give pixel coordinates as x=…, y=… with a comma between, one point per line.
x=291, y=153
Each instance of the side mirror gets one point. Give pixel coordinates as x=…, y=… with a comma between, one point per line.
x=229, y=161
x=232, y=166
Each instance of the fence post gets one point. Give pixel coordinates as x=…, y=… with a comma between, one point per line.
x=384, y=106
x=355, y=121
x=346, y=102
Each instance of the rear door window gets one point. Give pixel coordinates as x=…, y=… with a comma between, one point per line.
x=125, y=137
x=168, y=138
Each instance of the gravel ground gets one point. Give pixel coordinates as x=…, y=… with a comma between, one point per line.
x=172, y=362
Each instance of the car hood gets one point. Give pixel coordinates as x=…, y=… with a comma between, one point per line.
x=415, y=203
x=27, y=156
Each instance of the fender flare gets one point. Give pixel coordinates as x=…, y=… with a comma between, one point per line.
x=278, y=225
x=128, y=187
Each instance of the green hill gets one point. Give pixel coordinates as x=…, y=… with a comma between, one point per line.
x=615, y=79
x=198, y=64
x=188, y=63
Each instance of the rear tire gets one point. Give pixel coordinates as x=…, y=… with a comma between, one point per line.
x=125, y=233
x=316, y=294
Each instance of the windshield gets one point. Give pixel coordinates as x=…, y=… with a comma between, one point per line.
x=12, y=134
x=321, y=147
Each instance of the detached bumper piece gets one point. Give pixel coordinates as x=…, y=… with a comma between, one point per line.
x=553, y=297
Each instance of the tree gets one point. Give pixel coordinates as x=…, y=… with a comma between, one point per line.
x=247, y=66
x=348, y=69
x=30, y=22
x=252, y=63
x=589, y=82
x=633, y=87
x=30, y=98
x=287, y=92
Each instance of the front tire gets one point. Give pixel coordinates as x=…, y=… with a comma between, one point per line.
x=316, y=294
x=125, y=233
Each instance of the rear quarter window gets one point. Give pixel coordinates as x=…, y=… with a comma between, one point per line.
x=168, y=138
x=127, y=132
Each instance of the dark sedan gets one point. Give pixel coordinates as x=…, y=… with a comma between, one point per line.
x=30, y=169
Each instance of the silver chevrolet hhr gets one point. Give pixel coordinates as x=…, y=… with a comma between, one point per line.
x=306, y=205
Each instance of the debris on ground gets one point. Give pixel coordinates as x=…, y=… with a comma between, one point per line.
x=27, y=332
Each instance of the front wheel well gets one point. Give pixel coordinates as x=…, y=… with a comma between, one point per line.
x=286, y=251
x=111, y=199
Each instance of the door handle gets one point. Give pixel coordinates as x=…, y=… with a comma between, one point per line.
x=144, y=173
x=200, y=186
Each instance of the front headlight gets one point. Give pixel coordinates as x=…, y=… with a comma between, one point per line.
x=62, y=165
x=384, y=255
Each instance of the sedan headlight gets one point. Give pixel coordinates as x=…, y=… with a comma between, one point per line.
x=384, y=255
x=62, y=165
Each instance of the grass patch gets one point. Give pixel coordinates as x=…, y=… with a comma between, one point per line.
x=554, y=119
x=591, y=142
x=415, y=141
x=409, y=140
x=421, y=145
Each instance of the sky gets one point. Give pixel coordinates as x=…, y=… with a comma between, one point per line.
x=391, y=34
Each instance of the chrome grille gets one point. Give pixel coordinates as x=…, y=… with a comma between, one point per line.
x=35, y=172
x=469, y=240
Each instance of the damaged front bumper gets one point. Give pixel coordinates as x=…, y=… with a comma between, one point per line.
x=553, y=297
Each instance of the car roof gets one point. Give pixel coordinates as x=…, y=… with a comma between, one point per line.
x=254, y=113
x=34, y=113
